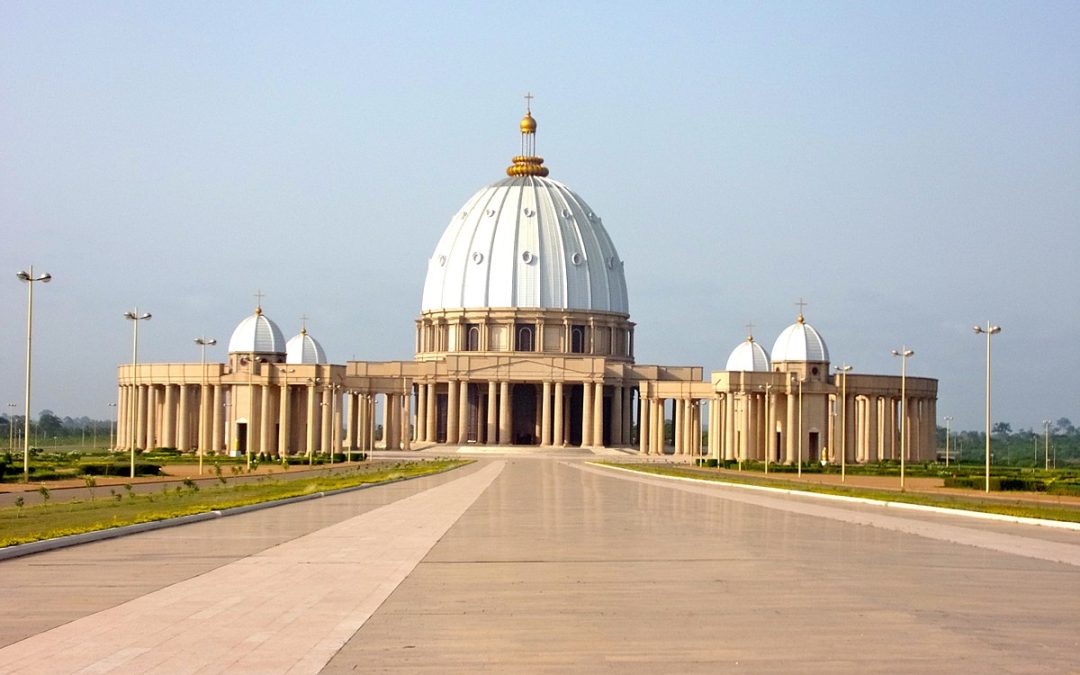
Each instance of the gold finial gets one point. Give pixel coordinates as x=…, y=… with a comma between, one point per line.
x=259, y=295
x=750, y=331
x=527, y=163
x=801, y=304
x=303, y=324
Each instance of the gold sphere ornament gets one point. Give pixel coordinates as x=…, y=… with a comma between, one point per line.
x=528, y=124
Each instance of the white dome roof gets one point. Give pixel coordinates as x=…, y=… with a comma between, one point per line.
x=304, y=349
x=749, y=356
x=526, y=241
x=799, y=342
x=257, y=334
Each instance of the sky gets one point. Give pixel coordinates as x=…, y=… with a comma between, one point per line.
x=910, y=169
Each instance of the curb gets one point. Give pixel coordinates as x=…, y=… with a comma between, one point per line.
x=981, y=515
x=20, y=550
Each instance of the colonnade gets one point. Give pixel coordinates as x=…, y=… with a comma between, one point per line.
x=483, y=412
x=272, y=419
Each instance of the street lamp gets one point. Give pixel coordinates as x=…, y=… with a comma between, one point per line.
x=11, y=426
x=989, y=330
x=948, y=422
x=112, y=425
x=843, y=371
x=904, y=354
x=1046, y=447
x=135, y=317
x=203, y=343
x=29, y=278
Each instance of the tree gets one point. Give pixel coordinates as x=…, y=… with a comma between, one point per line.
x=1003, y=428
x=1064, y=426
x=49, y=424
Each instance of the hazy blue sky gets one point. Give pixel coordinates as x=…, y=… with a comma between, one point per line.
x=909, y=168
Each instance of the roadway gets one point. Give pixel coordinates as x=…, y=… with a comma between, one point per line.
x=540, y=562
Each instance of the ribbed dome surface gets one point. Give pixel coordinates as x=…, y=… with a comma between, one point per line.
x=258, y=334
x=748, y=357
x=526, y=241
x=304, y=349
x=799, y=342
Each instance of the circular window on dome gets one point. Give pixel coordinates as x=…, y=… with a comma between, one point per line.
x=490, y=212
x=611, y=262
x=566, y=213
x=527, y=257
x=591, y=216
x=442, y=260
x=529, y=213
x=577, y=259
x=814, y=370
x=478, y=257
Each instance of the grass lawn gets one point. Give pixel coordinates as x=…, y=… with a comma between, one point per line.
x=116, y=507
x=960, y=501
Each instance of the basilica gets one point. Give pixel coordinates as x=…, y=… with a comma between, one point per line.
x=524, y=338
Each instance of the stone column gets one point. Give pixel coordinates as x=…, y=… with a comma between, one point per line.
x=217, y=414
x=463, y=413
x=452, y=404
x=791, y=432
x=628, y=416
x=598, y=415
x=644, y=447
x=545, y=415
x=421, y=413
x=505, y=414
x=678, y=422
x=153, y=417
x=659, y=415
x=266, y=438
x=432, y=412
x=140, y=418
x=559, y=404
x=586, y=414
x=406, y=418
x=729, y=426
x=873, y=432
x=168, y=418
x=492, y=436
x=183, y=423
x=617, y=416
x=284, y=420
x=312, y=421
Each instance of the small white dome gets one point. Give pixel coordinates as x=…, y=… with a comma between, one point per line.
x=257, y=334
x=304, y=349
x=799, y=342
x=526, y=241
x=749, y=357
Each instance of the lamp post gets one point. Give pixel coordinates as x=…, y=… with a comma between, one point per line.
x=904, y=355
x=948, y=422
x=843, y=371
x=989, y=330
x=1046, y=446
x=112, y=426
x=11, y=426
x=135, y=317
x=29, y=278
x=203, y=343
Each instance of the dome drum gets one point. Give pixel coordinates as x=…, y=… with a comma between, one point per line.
x=551, y=332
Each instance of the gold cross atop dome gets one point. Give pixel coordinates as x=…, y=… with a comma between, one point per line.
x=801, y=304
x=259, y=295
x=527, y=163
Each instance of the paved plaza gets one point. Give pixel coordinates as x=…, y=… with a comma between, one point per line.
x=542, y=562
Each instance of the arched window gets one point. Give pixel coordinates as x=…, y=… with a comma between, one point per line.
x=577, y=339
x=524, y=338
x=472, y=337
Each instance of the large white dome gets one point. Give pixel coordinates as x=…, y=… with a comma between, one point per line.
x=257, y=334
x=526, y=241
x=748, y=357
x=800, y=342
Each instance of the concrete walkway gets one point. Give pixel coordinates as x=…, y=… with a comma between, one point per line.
x=544, y=564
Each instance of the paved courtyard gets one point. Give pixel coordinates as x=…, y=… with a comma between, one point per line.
x=523, y=563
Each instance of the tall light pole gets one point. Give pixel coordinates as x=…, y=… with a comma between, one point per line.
x=203, y=343
x=989, y=330
x=112, y=425
x=1046, y=447
x=29, y=278
x=843, y=371
x=135, y=317
x=948, y=422
x=11, y=426
x=904, y=355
